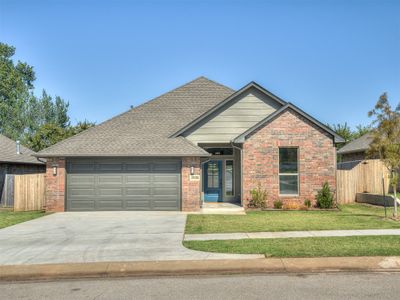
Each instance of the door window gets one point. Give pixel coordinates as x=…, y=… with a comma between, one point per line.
x=213, y=175
x=229, y=178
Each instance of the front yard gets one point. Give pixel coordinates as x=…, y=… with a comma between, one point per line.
x=305, y=247
x=8, y=218
x=350, y=216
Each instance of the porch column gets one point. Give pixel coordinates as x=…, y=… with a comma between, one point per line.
x=191, y=190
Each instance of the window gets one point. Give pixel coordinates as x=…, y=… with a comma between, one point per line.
x=288, y=171
x=213, y=174
x=229, y=178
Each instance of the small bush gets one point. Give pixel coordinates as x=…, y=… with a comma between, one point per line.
x=325, y=197
x=258, y=197
x=307, y=203
x=291, y=205
x=278, y=204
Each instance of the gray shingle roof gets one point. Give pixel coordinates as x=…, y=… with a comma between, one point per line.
x=8, y=152
x=358, y=145
x=145, y=130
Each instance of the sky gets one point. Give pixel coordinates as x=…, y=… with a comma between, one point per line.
x=332, y=59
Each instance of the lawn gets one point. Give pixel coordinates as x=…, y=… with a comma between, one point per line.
x=305, y=247
x=350, y=216
x=8, y=218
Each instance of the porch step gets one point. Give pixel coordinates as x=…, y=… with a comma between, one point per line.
x=222, y=209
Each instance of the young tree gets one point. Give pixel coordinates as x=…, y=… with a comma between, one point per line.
x=386, y=139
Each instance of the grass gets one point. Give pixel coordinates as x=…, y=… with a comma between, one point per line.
x=305, y=247
x=8, y=218
x=350, y=216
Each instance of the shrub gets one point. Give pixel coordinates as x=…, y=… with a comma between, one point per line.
x=325, y=197
x=277, y=204
x=291, y=205
x=258, y=197
x=307, y=203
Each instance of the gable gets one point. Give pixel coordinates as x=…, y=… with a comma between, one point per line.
x=235, y=117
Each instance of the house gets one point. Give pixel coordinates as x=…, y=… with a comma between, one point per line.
x=16, y=159
x=201, y=142
x=356, y=149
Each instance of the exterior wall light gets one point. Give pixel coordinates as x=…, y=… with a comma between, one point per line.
x=192, y=170
x=54, y=170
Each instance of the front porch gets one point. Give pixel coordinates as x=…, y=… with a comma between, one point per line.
x=221, y=208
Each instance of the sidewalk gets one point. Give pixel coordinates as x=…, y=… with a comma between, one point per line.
x=288, y=234
x=179, y=268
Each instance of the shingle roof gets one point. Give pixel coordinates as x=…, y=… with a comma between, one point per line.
x=358, y=145
x=145, y=130
x=8, y=152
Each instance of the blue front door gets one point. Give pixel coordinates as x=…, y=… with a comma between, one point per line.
x=213, y=181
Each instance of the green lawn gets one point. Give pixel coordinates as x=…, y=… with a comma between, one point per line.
x=350, y=216
x=8, y=218
x=305, y=247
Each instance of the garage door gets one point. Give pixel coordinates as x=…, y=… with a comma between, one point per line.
x=123, y=184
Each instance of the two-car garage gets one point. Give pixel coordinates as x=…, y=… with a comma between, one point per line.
x=123, y=184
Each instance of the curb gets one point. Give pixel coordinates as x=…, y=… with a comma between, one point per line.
x=199, y=267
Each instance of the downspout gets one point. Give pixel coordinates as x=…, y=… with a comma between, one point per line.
x=241, y=171
x=202, y=163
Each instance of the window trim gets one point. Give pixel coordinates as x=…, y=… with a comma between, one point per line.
x=233, y=178
x=289, y=174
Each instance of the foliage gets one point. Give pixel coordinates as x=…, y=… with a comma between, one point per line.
x=347, y=133
x=291, y=205
x=258, y=197
x=278, y=204
x=307, y=203
x=50, y=134
x=386, y=137
x=25, y=116
x=325, y=197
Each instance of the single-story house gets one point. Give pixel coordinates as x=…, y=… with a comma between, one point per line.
x=16, y=159
x=201, y=142
x=356, y=149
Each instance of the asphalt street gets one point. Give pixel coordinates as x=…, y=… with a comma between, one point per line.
x=271, y=286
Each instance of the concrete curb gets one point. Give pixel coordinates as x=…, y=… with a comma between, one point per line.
x=199, y=267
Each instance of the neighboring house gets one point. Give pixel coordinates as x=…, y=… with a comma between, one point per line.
x=356, y=149
x=200, y=142
x=16, y=159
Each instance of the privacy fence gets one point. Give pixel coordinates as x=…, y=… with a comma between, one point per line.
x=24, y=192
x=363, y=176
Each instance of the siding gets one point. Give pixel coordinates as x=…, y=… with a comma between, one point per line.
x=230, y=121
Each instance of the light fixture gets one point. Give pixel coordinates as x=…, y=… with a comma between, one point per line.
x=54, y=169
x=191, y=170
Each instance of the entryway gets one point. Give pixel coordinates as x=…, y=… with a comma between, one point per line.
x=218, y=180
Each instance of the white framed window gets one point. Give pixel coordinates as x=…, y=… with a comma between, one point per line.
x=288, y=171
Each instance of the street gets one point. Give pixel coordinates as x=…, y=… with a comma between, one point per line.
x=271, y=286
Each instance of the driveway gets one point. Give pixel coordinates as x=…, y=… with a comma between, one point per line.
x=76, y=237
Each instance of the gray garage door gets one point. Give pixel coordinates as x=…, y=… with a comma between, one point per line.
x=123, y=184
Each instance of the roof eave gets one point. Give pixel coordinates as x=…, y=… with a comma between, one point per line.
x=122, y=155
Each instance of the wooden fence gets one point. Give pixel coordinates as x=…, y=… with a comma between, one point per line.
x=29, y=192
x=360, y=177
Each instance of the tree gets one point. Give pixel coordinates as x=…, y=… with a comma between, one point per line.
x=21, y=112
x=347, y=133
x=45, y=136
x=386, y=139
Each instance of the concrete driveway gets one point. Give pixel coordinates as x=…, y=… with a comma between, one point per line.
x=100, y=236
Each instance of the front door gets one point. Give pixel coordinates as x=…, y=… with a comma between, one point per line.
x=213, y=181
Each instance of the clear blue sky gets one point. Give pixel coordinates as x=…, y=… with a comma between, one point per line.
x=331, y=58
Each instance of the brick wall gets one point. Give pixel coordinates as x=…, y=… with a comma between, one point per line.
x=55, y=185
x=317, y=157
x=190, y=188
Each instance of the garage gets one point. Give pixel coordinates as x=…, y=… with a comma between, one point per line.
x=123, y=184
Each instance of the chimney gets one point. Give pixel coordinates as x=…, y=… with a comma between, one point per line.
x=18, y=147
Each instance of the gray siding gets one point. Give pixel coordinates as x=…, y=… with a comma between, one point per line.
x=235, y=118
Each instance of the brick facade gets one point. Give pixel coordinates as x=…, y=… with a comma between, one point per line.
x=317, y=157
x=191, y=190
x=55, y=185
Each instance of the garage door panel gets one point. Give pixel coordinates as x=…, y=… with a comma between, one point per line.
x=110, y=180
x=123, y=184
x=80, y=205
